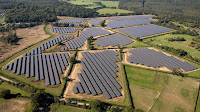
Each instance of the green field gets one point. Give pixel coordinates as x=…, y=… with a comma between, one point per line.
x=110, y=3
x=13, y=89
x=145, y=86
x=171, y=93
x=112, y=11
x=63, y=108
x=93, y=5
x=162, y=40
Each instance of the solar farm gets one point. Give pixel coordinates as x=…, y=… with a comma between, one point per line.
x=146, y=30
x=95, y=22
x=2, y=11
x=63, y=30
x=1, y=16
x=98, y=74
x=71, y=64
x=129, y=17
x=79, y=42
x=113, y=40
x=41, y=67
x=70, y=21
x=118, y=24
x=155, y=59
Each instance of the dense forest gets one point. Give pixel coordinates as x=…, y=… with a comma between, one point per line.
x=42, y=10
x=184, y=11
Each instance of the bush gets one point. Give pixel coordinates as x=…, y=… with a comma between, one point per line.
x=129, y=109
x=97, y=105
x=5, y=93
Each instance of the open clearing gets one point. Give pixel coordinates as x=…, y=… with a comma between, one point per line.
x=161, y=40
x=112, y=11
x=13, y=89
x=27, y=37
x=63, y=108
x=145, y=86
x=13, y=105
x=180, y=96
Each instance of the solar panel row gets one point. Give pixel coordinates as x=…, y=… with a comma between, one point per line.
x=95, y=22
x=113, y=40
x=130, y=17
x=63, y=30
x=117, y=24
x=48, y=44
x=1, y=16
x=41, y=67
x=77, y=20
x=152, y=58
x=97, y=76
x=2, y=11
x=142, y=31
x=79, y=42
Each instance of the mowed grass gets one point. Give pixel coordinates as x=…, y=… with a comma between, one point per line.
x=63, y=108
x=13, y=105
x=112, y=11
x=13, y=89
x=145, y=86
x=180, y=96
x=110, y=3
x=162, y=40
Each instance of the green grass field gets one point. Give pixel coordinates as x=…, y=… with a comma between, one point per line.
x=110, y=3
x=162, y=40
x=145, y=86
x=63, y=108
x=13, y=89
x=112, y=11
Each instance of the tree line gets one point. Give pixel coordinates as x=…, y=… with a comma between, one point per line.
x=44, y=11
x=170, y=9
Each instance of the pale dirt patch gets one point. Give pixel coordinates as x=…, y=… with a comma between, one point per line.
x=28, y=36
x=143, y=97
x=69, y=90
x=13, y=105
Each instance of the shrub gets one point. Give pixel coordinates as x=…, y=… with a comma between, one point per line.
x=5, y=93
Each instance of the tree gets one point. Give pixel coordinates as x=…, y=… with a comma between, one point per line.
x=103, y=23
x=97, y=105
x=115, y=109
x=139, y=110
x=71, y=60
x=129, y=109
x=5, y=93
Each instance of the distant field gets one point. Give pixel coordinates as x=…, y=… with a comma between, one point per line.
x=176, y=44
x=145, y=86
x=110, y=3
x=13, y=89
x=112, y=11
